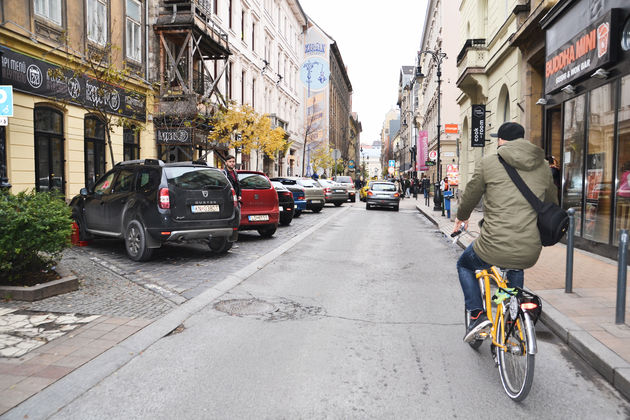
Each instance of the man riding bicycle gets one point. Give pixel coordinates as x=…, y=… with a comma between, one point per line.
x=509, y=235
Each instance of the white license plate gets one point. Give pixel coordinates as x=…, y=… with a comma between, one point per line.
x=281, y=209
x=206, y=208
x=258, y=217
x=316, y=201
x=340, y=191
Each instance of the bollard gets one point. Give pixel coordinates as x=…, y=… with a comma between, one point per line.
x=620, y=314
x=568, y=285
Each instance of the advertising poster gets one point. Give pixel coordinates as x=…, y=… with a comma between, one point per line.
x=423, y=150
x=452, y=173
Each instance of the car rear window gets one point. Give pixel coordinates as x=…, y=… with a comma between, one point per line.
x=191, y=178
x=253, y=181
x=344, y=179
x=383, y=187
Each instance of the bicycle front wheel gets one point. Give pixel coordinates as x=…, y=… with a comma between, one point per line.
x=516, y=365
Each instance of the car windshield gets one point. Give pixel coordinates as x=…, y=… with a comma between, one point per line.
x=383, y=187
x=308, y=183
x=192, y=178
x=249, y=181
x=343, y=179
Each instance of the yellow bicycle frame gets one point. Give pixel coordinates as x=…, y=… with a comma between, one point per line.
x=495, y=275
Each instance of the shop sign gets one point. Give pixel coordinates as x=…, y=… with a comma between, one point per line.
x=590, y=49
x=429, y=163
x=451, y=128
x=38, y=77
x=478, y=126
x=174, y=135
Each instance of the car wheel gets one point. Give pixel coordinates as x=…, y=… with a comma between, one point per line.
x=354, y=199
x=317, y=209
x=337, y=204
x=286, y=221
x=83, y=236
x=396, y=208
x=267, y=231
x=367, y=206
x=220, y=245
x=136, y=242
x=297, y=213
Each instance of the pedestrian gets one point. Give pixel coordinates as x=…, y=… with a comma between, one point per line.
x=232, y=176
x=426, y=188
x=415, y=187
x=509, y=236
x=407, y=188
x=444, y=185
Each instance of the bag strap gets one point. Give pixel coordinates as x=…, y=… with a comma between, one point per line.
x=522, y=186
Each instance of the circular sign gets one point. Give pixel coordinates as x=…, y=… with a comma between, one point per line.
x=479, y=112
x=351, y=164
x=390, y=169
x=432, y=155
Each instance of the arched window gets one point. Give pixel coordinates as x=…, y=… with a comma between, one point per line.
x=94, y=146
x=503, y=106
x=49, y=145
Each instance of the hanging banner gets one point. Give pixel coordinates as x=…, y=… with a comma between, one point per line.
x=423, y=150
x=452, y=173
x=478, y=126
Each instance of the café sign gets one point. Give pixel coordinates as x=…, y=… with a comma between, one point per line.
x=587, y=51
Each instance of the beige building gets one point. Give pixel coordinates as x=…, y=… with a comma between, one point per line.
x=439, y=44
x=489, y=74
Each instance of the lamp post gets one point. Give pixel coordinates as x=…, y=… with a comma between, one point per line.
x=438, y=56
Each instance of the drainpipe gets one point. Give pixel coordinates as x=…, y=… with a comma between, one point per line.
x=146, y=40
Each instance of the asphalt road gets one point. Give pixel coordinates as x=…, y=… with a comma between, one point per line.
x=363, y=319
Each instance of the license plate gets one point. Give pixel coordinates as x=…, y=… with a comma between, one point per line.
x=340, y=191
x=258, y=217
x=316, y=201
x=281, y=209
x=206, y=208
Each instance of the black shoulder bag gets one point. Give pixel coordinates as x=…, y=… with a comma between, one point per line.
x=553, y=221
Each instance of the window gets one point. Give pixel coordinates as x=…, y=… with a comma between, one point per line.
x=49, y=145
x=97, y=21
x=49, y=10
x=242, y=87
x=124, y=181
x=230, y=13
x=131, y=143
x=229, y=80
x=94, y=149
x=253, y=92
x=622, y=220
x=253, y=35
x=574, y=158
x=134, y=30
x=243, y=25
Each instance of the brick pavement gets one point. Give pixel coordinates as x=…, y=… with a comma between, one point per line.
x=585, y=319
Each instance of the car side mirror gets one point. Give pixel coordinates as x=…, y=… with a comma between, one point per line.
x=83, y=192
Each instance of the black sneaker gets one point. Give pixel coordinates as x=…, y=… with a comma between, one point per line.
x=477, y=325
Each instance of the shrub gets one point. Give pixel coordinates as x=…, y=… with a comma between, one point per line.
x=34, y=228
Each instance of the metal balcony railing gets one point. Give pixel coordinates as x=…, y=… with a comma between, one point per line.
x=476, y=42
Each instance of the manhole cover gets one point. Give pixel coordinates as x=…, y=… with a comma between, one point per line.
x=245, y=307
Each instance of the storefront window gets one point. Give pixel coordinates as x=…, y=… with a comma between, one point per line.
x=599, y=163
x=573, y=158
x=49, y=167
x=94, y=149
x=623, y=173
x=131, y=143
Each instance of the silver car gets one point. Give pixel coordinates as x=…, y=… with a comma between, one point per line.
x=382, y=194
x=334, y=192
x=347, y=182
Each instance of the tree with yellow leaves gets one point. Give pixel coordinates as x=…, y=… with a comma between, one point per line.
x=241, y=126
x=322, y=157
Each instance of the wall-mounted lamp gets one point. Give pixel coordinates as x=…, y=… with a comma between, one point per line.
x=600, y=74
x=568, y=89
x=266, y=64
x=541, y=101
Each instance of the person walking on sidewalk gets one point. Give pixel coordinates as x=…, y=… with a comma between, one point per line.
x=509, y=235
x=426, y=187
x=407, y=184
x=232, y=176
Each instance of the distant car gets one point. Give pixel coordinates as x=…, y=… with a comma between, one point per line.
x=382, y=194
x=285, y=203
x=334, y=192
x=347, y=182
x=299, y=198
x=259, y=203
x=313, y=192
x=149, y=203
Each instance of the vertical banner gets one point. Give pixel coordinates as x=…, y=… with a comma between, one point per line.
x=423, y=150
x=452, y=173
x=478, y=126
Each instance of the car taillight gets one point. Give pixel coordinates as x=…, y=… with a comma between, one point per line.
x=369, y=193
x=327, y=190
x=300, y=197
x=396, y=195
x=288, y=194
x=234, y=197
x=165, y=199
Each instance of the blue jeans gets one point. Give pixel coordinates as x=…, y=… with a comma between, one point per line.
x=467, y=263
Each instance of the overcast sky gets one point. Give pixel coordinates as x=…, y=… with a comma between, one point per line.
x=375, y=39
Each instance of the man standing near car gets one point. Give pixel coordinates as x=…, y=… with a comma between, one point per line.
x=230, y=173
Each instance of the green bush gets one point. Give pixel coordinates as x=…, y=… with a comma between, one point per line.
x=34, y=228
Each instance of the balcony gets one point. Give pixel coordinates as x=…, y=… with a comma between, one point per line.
x=471, y=61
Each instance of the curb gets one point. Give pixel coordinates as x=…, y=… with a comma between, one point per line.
x=605, y=361
x=59, y=394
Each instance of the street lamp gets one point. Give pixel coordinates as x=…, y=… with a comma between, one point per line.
x=438, y=56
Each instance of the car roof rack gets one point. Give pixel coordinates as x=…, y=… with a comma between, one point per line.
x=148, y=162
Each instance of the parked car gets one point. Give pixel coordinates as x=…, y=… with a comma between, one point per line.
x=363, y=191
x=299, y=198
x=334, y=192
x=149, y=203
x=259, y=203
x=382, y=194
x=313, y=192
x=285, y=203
x=347, y=182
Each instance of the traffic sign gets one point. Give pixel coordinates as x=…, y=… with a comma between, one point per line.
x=6, y=101
x=392, y=163
x=351, y=164
x=432, y=155
x=391, y=169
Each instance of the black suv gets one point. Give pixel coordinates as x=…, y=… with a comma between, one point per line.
x=147, y=203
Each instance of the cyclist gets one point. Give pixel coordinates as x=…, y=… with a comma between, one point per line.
x=509, y=235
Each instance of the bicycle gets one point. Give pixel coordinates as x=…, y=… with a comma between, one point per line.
x=513, y=315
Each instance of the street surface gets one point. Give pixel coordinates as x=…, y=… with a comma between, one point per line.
x=362, y=319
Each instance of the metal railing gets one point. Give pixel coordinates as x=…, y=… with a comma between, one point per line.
x=475, y=42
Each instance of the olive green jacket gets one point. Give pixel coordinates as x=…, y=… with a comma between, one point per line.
x=509, y=236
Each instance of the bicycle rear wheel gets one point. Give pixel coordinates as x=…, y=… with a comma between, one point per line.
x=516, y=365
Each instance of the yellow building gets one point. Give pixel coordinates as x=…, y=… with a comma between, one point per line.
x=57, y=137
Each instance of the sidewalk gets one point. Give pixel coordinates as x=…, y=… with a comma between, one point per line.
x=584, y=319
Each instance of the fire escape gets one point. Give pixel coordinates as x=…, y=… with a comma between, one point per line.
x=191, y=46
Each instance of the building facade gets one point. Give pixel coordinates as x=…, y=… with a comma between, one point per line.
x=391, y=125
x=405, y=154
